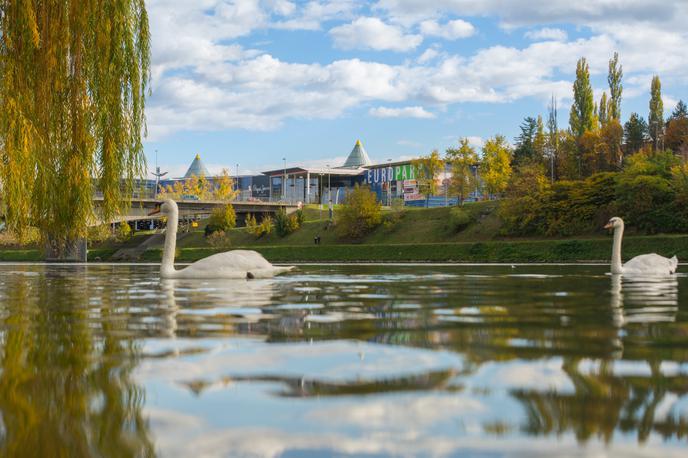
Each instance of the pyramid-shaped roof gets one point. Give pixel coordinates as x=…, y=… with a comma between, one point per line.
x=196, y=169
x=358, y=157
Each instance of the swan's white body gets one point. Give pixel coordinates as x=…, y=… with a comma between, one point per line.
x=645, y=264
x=230, y=264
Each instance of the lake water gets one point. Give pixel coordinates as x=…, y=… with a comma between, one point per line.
x=105, y=360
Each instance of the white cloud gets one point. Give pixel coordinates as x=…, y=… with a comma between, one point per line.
x=428, y=55
x=547, y=33
x=476, y=142
x=405, y=112
x=314, y=13
x=372, y=33
x=529, y=12
x=202, y=80
x=452, y=30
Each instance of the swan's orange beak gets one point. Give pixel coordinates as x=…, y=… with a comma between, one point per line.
x=155, y=211
x=608, y=226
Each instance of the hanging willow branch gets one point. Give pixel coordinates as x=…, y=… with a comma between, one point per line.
x=73, y=80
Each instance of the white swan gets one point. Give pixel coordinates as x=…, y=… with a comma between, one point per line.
x=645, y=264
x=230, y=264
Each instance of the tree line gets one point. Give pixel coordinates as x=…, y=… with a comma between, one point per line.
x=595, y=141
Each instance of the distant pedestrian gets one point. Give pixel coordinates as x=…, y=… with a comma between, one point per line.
x=316, y=240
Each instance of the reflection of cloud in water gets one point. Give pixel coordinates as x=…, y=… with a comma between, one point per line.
x=181, y=435
x=324, y=365
x=394, y=414
x=537, y=375
x=644, y=299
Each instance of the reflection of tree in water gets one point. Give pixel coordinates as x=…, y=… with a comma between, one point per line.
x=642, y=324
x=66, y=386
x=603, y=401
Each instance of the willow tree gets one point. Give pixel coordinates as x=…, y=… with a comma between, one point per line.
x=73, y=80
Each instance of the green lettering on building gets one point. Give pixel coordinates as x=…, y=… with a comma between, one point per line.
x=404, y=172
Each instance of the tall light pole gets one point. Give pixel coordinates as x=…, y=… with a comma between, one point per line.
x=329, y=191
x=238, y=187
x=389, y=184
x=320, y=192
x=157, y=175
x=284, y=180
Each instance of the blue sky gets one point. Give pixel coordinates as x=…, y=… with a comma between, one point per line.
x=249, y=82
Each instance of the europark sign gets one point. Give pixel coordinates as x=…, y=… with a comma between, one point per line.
x=404, y=174
x=391, y=173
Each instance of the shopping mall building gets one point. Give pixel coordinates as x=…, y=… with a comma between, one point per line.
x=389, y=181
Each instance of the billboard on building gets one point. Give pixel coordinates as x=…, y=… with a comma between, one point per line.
x=397, y=181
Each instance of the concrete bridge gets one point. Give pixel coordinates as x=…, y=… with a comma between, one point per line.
x=141, y=207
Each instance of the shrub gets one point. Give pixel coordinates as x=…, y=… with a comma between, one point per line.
x=221, y=219
x=251, y=224
x=218, y=239
x=266, y=225
x=300, y=217
x=286, y=224
x=644, y=201
x=258, y=230
x=99, y=233
x=360, y=214
x=459, y=219
x=123, y=231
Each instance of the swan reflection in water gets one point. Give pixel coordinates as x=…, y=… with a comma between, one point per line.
x=249, y=307
x=643, y=299
x=193, y=305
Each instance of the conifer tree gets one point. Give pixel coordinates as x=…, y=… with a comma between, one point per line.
x=680, y=111
x=676, y=133
x=635, y=133
x=525, y=142
x=615, y=87
x=656, y=117
x=581, y=118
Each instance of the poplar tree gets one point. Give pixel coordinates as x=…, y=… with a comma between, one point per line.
x=602, y=115
x=656, y=117
x=540, y=141
x=552, y=135
x=73, y=80
x=615, y=87
x=581, y=117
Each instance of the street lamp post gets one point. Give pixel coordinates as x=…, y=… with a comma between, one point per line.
x=329, y=191
x=238, y=187
x=284, y=180
x=157, y=176
x=389, y=185
x=320, y=192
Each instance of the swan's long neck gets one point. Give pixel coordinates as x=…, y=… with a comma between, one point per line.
x=167, y=266
x=617, y=267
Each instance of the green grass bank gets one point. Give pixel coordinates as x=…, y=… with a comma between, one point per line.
x=417, y=235
x=593, y=250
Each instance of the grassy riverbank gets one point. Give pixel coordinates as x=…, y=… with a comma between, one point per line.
x=496, y=251
x=421, y=235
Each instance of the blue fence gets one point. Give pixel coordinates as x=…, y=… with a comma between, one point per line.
x=433, y=202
